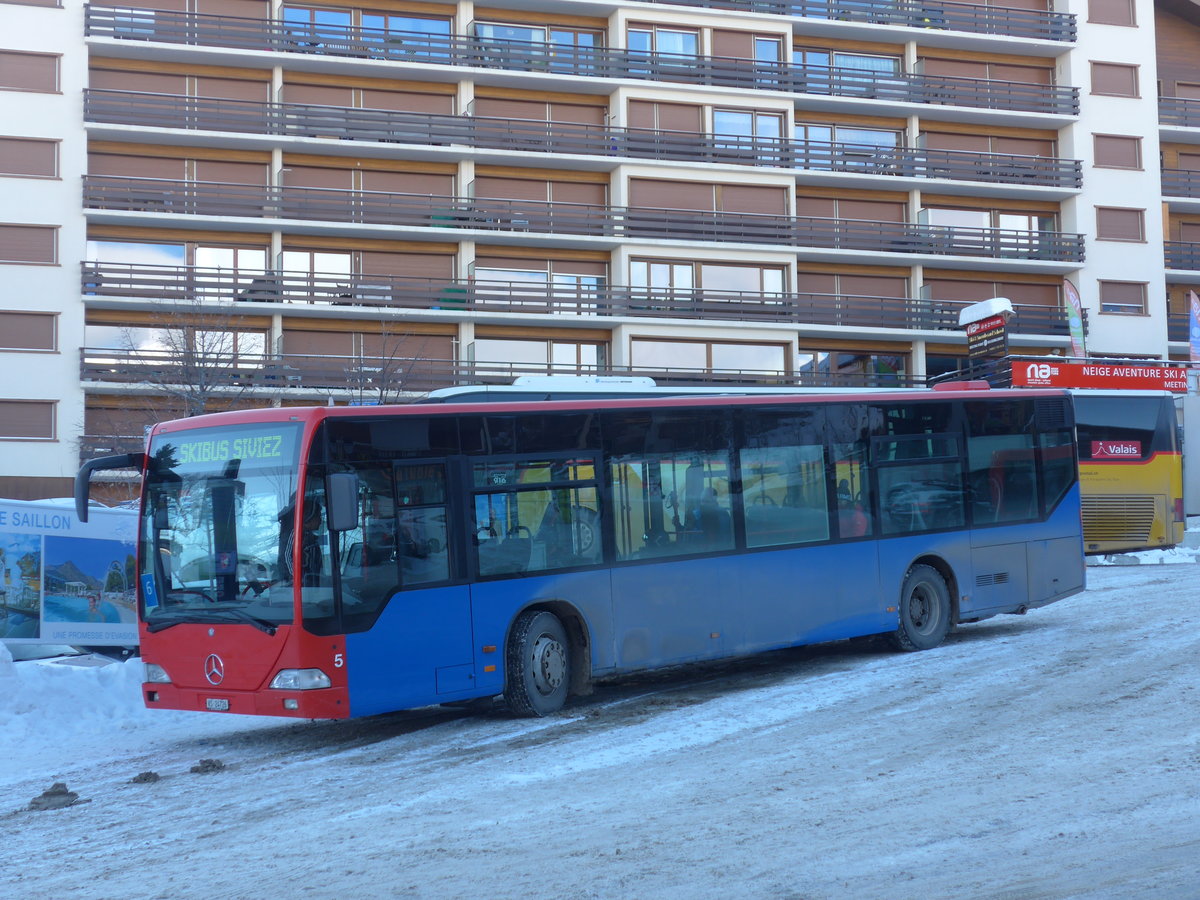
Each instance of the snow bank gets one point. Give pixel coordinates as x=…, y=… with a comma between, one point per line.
x=58, y=716
x=59, y=700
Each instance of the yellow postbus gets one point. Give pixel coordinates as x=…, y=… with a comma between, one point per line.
x=1130, y=470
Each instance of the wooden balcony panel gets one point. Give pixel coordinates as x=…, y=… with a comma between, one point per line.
x=303, y=120
x=203, y=286
x=1182, y=255
x=1178, y=327
x=416, y=210
x=587, y=62
x=950, y=16
x=1179, y=111
x=389, y=377
x=1180, y=183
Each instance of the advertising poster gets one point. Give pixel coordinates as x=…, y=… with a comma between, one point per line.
x=66, y=582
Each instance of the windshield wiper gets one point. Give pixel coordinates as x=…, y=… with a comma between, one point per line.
x=211, y=615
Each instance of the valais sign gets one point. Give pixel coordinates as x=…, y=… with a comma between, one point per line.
x=1116, y=449
x=1093, y=375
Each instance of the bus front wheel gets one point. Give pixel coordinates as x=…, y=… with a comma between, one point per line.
x=924, y=610
x=539, y=665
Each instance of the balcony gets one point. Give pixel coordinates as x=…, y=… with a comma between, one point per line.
x=187, y=284
x=1184, y=255
x=521, y=136
x=392, y=379
x=259, y=35
x=1178, y=328
x=1181, y=183
x=339, y=207
x=968, y=17
x=1179, y=112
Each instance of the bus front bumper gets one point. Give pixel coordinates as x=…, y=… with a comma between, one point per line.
x=327, y=703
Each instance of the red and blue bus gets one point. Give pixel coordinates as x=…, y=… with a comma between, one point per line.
x=336, y=562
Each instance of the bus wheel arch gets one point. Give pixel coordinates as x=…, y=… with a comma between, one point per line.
x=546, y=659
x=927, y=605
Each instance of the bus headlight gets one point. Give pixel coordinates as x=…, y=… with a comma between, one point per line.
x=300, y=680
x=156, y=674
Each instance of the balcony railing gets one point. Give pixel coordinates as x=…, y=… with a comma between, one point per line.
x=389, y=378
x=1182, y=255
x=1178, y=327
x=344, y=123
x=1180, y=183
x=110, y=192
x=1027, y=23
x=188, y=284
x=1179, y=111
x=587, y=62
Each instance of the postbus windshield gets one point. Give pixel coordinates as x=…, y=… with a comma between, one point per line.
x=217, y=524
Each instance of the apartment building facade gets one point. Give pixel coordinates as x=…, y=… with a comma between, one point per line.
x=215, y=203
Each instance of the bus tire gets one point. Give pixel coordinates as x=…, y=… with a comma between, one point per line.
x=924, y=610
x=538, y=659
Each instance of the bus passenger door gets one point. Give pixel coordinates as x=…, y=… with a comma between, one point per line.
x=408, y=624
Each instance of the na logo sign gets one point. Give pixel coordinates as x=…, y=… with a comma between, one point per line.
x=1040, y=371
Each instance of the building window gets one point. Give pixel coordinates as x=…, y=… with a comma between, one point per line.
x=29, y=244
x=28, y=331
x=831, y=368
x=1123, y=297
x=837, y=59
x=1111, y=12
x=768, y=49
x=1113, y=224
x=311, y=28
x=27, y=420
x=30, y=157
x=1112, y=151
x=673, y=276
x=663, y=40
x=28, y=71
x=747, y=125
x=1114, y=80
x=518, y=357
x=708, y=356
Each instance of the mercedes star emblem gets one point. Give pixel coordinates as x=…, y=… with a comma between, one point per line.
x=214, y=669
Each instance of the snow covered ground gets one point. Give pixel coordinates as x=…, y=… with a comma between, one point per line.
x=1047, y=756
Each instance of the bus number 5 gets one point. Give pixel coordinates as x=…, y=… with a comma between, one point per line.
x=338, y=661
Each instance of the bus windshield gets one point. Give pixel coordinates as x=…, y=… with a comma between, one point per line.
x=216, y=527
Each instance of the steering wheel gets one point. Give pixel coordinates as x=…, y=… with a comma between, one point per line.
x=258, y=587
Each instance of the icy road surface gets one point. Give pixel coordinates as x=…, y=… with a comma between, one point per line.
x=1048, y=756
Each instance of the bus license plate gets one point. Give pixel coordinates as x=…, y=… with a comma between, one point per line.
x=216, y=704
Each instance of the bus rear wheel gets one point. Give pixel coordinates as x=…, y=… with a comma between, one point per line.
x=538, y=658
x=924, y=610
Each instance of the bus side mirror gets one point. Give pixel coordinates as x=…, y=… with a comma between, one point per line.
x=84, y=476
x=341, y=490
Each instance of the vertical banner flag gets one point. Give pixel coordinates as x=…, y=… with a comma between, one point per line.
x=1074, y=318
x=1194, y=326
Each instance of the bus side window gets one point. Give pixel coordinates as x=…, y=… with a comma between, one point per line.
x=422, y=544
x=546, y=517
x=1057, y=452
x=368, y=559
x=849, y=429
x=785, y=495
x=920, y=494
x=1002, y=471
x=671, y=504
